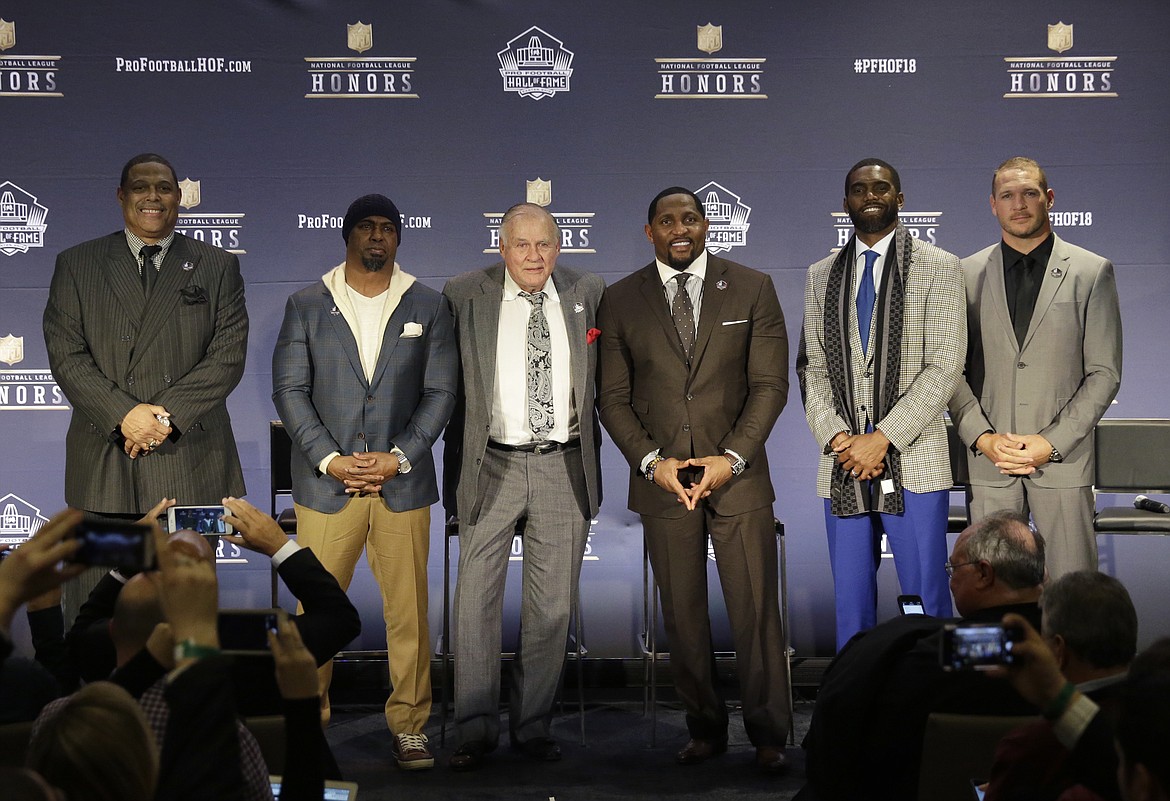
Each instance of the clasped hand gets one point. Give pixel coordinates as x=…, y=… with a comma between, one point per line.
x=863, y=455
x=364, y=471
x=716, y=473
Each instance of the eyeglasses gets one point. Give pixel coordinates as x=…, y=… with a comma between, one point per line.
x=952, y=568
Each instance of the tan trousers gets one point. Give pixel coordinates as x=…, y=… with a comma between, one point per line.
x=397, y=545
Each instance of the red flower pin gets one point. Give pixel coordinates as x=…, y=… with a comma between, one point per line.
x=591, y=335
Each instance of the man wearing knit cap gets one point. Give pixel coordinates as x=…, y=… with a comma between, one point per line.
x=364, y=378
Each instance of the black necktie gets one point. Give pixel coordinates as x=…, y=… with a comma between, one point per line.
x=1025, y=301
x=684, y=316
x=149, y=273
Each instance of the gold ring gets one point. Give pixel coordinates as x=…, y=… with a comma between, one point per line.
x=152, y=444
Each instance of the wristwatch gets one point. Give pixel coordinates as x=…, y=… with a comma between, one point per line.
x=403, y=462
x=1055, y=456
x=738, y=465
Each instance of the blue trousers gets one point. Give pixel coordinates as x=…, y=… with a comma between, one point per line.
x=918, y=538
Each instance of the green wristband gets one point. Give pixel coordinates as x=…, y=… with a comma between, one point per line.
x=1057, y=705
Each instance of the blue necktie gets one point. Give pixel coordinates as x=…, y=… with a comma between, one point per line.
x=865, y=298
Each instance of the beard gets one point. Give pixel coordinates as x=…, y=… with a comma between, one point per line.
x=870, y=225
x=373, y=264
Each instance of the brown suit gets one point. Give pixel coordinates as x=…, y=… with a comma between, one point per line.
x=728, y=399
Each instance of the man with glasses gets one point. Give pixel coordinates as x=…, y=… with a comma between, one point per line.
x=878, y=692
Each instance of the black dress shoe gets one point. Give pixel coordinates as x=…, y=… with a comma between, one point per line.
x=696, y=751
x=542, y=749
x=771, y=760
x=469, y=756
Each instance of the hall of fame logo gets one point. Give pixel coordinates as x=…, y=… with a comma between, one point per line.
x=730, y=78
x=536, y=65
x=26, y=76
x=26, y=390
x=222, y=230
x=922, y=225
x=19, y=520
x=1060, y=75
x=22, y=220
x=576, y=226
x=727, y=217
x=362, y=78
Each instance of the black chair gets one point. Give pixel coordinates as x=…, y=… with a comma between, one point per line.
x=957, y=749
x=576, y=648
x=280, y=469
x=1132, y=457
x=649, y=635
x=958, y=517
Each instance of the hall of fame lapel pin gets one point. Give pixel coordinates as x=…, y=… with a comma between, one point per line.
x=1057, y=272
x=578, y=308
x=334, y=311
x=721, y=284
x=188, y=266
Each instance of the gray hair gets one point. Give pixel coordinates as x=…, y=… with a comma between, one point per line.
x=522, y=209
x=1094, y=614
x=1010, y=545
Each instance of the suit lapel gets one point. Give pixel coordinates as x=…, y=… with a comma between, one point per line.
x=179, y=268
x=394, y=326
x=121, y=272
x=575, y=321
x=1054, y=276
x=712, y=304
x=485, y=328
x=343, y=333
x=995, y=296
x=655, y=301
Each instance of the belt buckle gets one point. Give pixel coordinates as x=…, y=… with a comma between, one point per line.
x=545, y=447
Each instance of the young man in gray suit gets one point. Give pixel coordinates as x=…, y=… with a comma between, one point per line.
x=1043, y=365
x=364, y=377
x=146, y=332
x=525, y=446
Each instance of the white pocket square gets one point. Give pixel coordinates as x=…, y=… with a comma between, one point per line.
x=411, y=330
x=735, y=322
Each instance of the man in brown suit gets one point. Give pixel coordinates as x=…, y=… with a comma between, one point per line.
x=693, y=373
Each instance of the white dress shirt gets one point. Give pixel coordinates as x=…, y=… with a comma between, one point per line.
x=510, y=400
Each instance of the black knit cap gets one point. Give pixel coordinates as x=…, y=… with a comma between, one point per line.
x=371, y=206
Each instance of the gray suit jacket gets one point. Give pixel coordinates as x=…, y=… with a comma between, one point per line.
x=111, y=350
x=934, y=338
x=321, y=393
x=729, y=397
x=475, y=298
x=1062, y=380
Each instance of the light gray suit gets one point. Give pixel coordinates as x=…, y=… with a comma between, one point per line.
x=1058, y=385
x=184, y=350
x=557, y=493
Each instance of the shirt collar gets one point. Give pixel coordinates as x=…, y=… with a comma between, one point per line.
x=512, y=290
x=881, y=247
x=135, y=244
x=1040, y=253
x=697, y=267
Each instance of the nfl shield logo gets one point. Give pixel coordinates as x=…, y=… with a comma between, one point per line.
x=710, y=37
x=190, y=190
x=539, y=192
x=359, y=37
x=7, y=34
x=11, y=349
x=1060, y=37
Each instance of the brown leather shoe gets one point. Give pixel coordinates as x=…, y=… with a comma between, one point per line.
x=696, y=751
x=771, y=760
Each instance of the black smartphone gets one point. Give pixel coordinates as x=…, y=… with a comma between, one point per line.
x=205, y=520
x=911, y=605
x=245, y=631
x=976, y=646
x=113, y=543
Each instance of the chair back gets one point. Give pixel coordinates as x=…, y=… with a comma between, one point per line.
x=1132, y=455
x=957, y=749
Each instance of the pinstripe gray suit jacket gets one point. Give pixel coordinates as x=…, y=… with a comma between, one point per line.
x=111, y=350
x=321, y=393
x=934, y=342
x=475, y=299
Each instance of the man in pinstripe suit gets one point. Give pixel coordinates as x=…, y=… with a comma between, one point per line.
x=146, y=332
x=874, y=392
x=364, y=377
